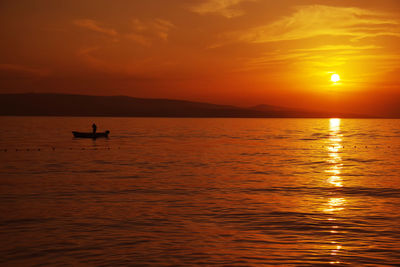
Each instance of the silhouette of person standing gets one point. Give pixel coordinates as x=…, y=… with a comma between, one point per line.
x=94, y=127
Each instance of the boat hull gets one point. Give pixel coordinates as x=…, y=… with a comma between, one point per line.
x=90, y=135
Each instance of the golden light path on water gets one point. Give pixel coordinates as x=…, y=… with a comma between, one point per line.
x=335, y=205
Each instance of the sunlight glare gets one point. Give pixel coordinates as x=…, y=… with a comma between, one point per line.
x=335, y=78
x=334, y=124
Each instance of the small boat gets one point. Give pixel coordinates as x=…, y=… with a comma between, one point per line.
x=91, y=135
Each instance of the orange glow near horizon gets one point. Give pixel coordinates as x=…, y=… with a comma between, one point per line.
x=237, y=52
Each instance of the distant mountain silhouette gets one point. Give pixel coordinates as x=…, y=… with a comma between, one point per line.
x=35, y=104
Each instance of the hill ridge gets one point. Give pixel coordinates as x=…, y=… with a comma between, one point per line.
x=57, y=104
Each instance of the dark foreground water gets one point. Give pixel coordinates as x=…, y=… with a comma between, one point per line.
x=200, y=191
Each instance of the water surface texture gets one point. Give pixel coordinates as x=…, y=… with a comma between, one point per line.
x=200, y=191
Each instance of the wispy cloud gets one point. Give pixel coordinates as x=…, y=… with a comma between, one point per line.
x=86, y=53
x=143, y=32
x=226, y=8
x=90, y=56
x=95, y=26
x=319, y=60
x=24, y=70
x=319, y=20
x=146, y=32
x=320, y=56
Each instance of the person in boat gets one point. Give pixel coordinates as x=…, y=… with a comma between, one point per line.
x=94, y=127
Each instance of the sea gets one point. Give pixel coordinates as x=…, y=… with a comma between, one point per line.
x=204, y=191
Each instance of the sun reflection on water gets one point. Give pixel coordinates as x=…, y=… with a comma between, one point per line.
x=334, y=147
x=335, y=205
x=335, y=180
x=334, y=124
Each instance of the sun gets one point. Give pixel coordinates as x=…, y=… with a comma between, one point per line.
x=335, y=78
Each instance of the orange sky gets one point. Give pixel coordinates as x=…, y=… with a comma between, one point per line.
x=241, y=52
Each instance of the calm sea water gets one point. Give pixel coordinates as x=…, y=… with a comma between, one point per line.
x=200, y=191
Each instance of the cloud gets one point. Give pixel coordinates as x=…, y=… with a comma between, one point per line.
x=161, y=28
x=139, y=39
x=141, y=32
x=321, y=59
x=86, y=53
x=326, y=55
x=22, y=70
x=146, y=32
x=94, y=26
x=225, y=8
x=92, y=57
x=319, y=20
